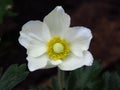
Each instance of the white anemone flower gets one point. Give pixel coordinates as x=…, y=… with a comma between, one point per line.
x=54, y=43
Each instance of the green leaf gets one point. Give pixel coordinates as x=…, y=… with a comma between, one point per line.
x=13, y=76
x=111, y=81
x=55, y=84
x=91, y=78
x=106, y=77
x=82, y=78
x=5, y=9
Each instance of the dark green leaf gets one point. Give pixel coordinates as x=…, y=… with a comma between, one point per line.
x=91, y=78
x=82, y=79
x=5, y=9
x=13, y=76
x=55, y=84
x=111, y=81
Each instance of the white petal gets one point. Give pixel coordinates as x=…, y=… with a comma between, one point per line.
x=49, y=65
x=37, y=62
x=34, y=46
x=55, y=62
x=79, y=39
x=88, y=58
x=38, y=29
x=58, y=21
x=76, y=51
x=36, y=50
x=28, y=40
x=78, y=32
x=73, y=62
x=25, y=40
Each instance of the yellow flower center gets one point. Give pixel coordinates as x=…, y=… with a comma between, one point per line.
x=57, y=48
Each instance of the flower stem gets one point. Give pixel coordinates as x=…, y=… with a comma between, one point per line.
x=61, y=79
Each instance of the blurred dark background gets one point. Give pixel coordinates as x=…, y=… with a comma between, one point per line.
x=101, y=16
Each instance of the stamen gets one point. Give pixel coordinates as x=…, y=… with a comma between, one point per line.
x=58, y=48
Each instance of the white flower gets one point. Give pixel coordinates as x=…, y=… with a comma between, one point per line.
x=54, y=43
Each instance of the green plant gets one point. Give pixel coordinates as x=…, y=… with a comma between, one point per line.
x=13, y=76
